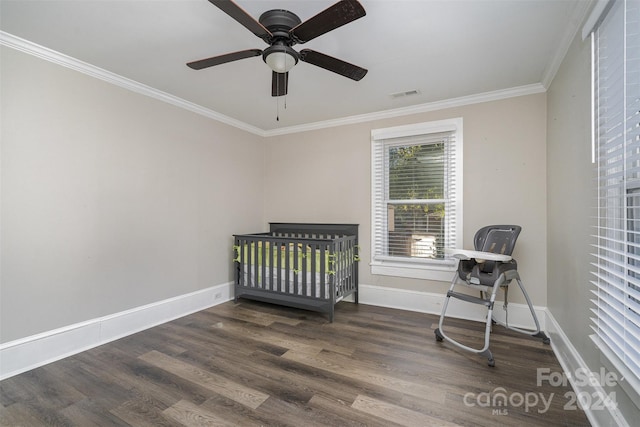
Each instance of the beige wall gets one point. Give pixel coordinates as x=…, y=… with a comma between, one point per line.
x=570, y=209
x=110, y=199
x=571, y=195
x=325, y=176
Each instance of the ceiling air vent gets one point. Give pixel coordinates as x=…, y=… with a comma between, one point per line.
x=403, y=94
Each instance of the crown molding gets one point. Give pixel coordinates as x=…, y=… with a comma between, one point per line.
x=55, y=57
x=414, y=109
x=58, y=58
x=578, y=16
x=598, y=12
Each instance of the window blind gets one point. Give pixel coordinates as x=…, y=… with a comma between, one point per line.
x=616, y=302
x=415, y=197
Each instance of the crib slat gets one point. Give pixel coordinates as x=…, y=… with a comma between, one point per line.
x=240, y=265
x=352, y=266
x=303, y=261
x=245, y=257
x=337, y=267
x=263, y=279
x=287, y=270
x=323, y=271
x=245, y=262
x=296, y=267
x=334, y=250
x=256, y=264
x=314, y=269
x=279, y=266
x=269, y=285
x=344, y=278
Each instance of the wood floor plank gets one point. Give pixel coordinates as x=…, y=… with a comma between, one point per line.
x=300, y=415
x=267, y=336
x=189, y=414
x=231, y=389
x=90, y=413
x=19, y=414
x=218, y=337
x=394, y=413
x=140, y=377
x=256, y=316
x=59, y=394
x=327, y=383
x=144, y=341
x=291, y=340
x=345, y=412
x=142, y=413
x=249, y=370
x=35, y=413
x=75, y=374
x=352, y=370
x=237, y=414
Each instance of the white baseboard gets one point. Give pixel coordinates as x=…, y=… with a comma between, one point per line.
x=431, y=303
x=37, y=350
x=31, y=352
x=571, y=363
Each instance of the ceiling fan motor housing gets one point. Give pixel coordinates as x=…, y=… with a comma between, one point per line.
x=279, y=22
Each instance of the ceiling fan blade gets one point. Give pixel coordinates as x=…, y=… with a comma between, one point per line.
x=329, y=19
x=279, y=83
x=332, y=64
x=221, y=59
x=239, y=14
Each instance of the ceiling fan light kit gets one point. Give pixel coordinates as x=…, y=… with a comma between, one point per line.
x=282, y=29
x=280, y=58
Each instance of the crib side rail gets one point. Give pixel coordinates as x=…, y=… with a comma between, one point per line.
x=346, y=266
x=298, y=265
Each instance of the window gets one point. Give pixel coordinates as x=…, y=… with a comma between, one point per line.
x=416, y=199
x=616, y=133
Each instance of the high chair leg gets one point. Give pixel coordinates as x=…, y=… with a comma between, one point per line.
x=537, y=333
x=487, y=302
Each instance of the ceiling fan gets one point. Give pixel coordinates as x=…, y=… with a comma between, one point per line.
x=281, y=29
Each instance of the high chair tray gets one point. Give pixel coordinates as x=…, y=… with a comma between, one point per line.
x=477, y=255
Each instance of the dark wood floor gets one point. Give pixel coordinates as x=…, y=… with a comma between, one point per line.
x=254, y=364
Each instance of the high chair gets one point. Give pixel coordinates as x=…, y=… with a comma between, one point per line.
x=488, y=268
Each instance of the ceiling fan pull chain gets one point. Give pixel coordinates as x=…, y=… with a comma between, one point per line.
x=278, y=100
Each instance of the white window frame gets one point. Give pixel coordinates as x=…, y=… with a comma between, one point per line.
x=418, y=268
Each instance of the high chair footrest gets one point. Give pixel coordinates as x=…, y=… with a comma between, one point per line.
x=470, y=298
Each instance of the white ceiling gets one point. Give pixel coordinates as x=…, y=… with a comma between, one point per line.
x=444, y=49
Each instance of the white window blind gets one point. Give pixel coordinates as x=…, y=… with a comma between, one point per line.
x=616, y=84
x=416, y=193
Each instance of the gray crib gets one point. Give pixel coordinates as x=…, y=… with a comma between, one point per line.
x=307, y=266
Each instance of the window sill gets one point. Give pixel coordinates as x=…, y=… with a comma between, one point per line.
x=414, y=270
